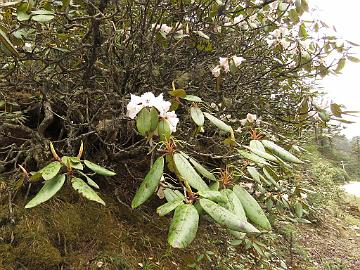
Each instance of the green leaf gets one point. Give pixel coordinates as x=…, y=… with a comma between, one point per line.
x=172, y=195
x=192, y=98
x=51, y=170
x=336, y=109
x=177, y=93
x=254, y=173
x=213, y=195
x=22, y=16
x=262, y=154
x=98, y=169
x=164, y=130
x=197, y=116
x=7, y=43
x=202, y=170
x=353, y=59
x=226, y=218
x=234, y=204
x=184, y=226
x=280, y=152
x=214, y=186
x=253, y=157
x=188, y=173
x=50, y=188
x=143, y=121
x=256, y=144
x=73, y=161
x=340, y=65
x=42, y=18
x=324, y=116
x=168, y=207
x=298, y=209
x=270, y=174
x=302, y=31
x=154, y=118
x=252, y=209
x=150, y=183
x=89, y=180
x=218, y=123
x=80, y=186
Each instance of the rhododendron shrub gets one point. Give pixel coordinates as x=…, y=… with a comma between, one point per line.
x=214, y=94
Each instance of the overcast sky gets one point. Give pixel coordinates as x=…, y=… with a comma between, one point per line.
x=344, y=88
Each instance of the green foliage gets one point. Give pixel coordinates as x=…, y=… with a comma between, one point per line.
x=55, y=178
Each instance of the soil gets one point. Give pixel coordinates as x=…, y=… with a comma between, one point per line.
x=333, y=243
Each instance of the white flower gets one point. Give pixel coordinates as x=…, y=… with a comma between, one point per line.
x=243, y=121
x=251, y=117
x=160, y=104
x=238, y=19
x=237, y=60
x=134, y=106
x=224, y=63
x=27, y=47
x=172, y=119
x=285, y=197
x=164, y=28
x=147, y=99
x=216, y=71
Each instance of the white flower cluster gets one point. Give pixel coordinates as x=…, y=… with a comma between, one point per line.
x=148, y=100
x=224, y=64
x=164, y=29
x=250, y=118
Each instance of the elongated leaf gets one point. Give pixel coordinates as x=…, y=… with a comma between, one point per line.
x=271, y=176
x=188, y=173
x=226, y=218
x=7, y=43
x=202, y=170
x=234, y=205
x=51, y=170
x=253, y=157
x=172, y=195
x=218, y=123
x=262, y=154
x=168, y=207
x=89, y=180
x=254, y=173
x=150, y=183
x=214, y=186
x=192, y=98
x=80, y=186
x=298, y=209
x=50, y=188
x=42, y=18
x=213, y=195
x=336, y=109
x=73, y=161
x=143, y=121
x=280, y=152
x=256, y=144
x=252, y=209
x=197, y=116
x=98, y=169
x=340, y=65
x=154, y=118
x=184, y=226
x=164, y=130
